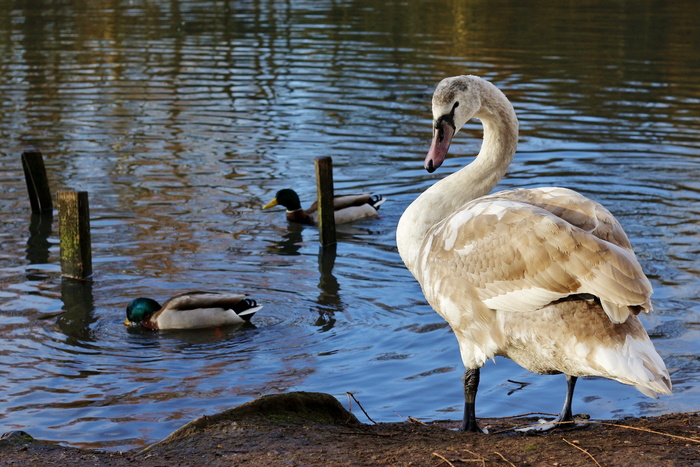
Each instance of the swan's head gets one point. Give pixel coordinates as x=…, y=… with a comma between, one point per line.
x=455, y=101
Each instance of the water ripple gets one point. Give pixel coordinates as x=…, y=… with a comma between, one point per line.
x=182, y=119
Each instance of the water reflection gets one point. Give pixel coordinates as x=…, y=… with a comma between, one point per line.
x=78, y=306
x=38, y=242
x=329, y=300
x=181, y=117
x=291, y=243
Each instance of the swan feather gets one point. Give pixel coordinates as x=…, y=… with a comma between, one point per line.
x=543, y=276
x=520, y=256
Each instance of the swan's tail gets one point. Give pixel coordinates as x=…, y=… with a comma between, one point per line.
x=637, y=363
x=661, y=382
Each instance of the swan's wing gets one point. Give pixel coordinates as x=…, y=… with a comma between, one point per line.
x=199, y=300
x=574, y=208
x=520, y=257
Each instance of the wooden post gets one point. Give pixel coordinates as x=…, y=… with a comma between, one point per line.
x=37, y=181
x=324, y=188
x=74, y=233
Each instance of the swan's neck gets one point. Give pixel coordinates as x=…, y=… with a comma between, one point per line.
x=473, y=181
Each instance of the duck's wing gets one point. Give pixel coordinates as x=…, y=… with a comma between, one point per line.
x=201, y=299
x=348, y=208
x=346, y=201
x=198, y=300
x=524, y=249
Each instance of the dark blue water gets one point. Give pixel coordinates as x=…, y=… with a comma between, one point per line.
x=181, y=119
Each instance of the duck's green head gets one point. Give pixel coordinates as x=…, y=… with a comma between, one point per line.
x=140, y=309
x=287, y=198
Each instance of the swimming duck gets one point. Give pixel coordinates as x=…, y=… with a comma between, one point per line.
x=348, y=208
x=543, y=276
x=191, y=310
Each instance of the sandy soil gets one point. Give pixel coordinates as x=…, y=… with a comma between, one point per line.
x=314, y=429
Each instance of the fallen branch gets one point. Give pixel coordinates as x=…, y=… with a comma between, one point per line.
x=504, y=459
x=478, y=457
x=381, y=435
x=684, y=438
x=529, y=414
x=582, y=450
x=443, y=459
x=359, y=405
x=415, y=420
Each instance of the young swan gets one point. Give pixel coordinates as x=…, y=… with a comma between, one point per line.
x=543, y=276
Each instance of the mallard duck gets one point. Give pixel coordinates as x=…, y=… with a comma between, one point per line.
x=543, y=276
x=191, y=310
x=348, y=208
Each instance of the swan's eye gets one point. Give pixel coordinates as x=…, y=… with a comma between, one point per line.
x=452, y=112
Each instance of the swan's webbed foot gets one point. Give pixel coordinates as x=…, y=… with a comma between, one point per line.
x=471, y=384
x=565, y=418
x=469, y=421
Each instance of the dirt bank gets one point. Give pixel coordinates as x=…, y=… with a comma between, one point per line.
x=314, y=429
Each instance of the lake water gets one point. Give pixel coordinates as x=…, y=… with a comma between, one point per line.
x=182, y=118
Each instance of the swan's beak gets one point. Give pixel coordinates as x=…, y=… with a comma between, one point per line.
x=442, y=137
x=271, y=204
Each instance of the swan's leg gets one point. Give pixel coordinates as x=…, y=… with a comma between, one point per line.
x=566, y=415
x=471, y=384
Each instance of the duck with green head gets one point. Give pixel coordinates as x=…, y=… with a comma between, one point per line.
x=191, y=310
x=348, y=208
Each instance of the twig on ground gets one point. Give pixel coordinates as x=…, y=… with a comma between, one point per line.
x=443, y=459
x=415, y=420
x=504, y=459
x=360, y=406
x=684, y=438
x=582, y=450
x=381, y=435
x=529, y=414
x=591, y=422
x=478, y=457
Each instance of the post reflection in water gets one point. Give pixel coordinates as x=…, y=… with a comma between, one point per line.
x=78, y=307
x=181, y=117
x=329, y=301
x=38, y=242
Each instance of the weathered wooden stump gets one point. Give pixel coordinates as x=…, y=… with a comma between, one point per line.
x=74, y=233
x=37, y=181
x=326, y=212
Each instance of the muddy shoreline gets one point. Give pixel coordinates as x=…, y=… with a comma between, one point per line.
x=303, y=428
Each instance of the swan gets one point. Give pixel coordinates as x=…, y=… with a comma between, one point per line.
x=347, y=208
x=191, y=310
x=543, y=276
